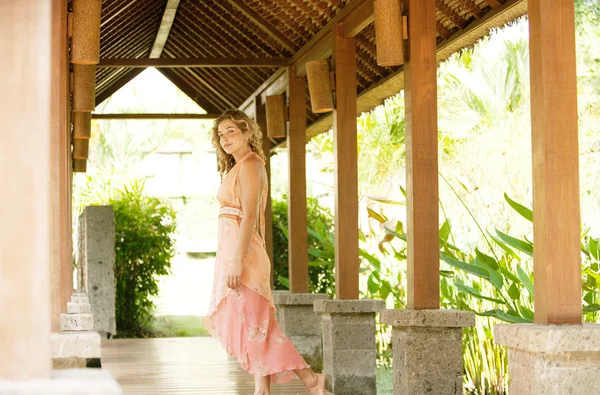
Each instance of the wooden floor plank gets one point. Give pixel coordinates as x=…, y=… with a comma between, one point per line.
x=193, y=365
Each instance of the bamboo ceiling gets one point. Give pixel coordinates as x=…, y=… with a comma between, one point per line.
x=242, y=29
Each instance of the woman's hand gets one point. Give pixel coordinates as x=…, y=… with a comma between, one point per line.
x=235, y=273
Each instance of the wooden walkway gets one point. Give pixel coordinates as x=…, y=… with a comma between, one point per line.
x=179, y=366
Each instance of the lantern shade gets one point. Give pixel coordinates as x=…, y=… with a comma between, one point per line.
x=319, y=86
x=86, y=31
x=79, y=165
x=275, y=108
x=389, y=35
x=84, y=87
x=82, y=125
x=81, y=148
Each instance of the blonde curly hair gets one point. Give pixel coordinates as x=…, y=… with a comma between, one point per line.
x=248, y=127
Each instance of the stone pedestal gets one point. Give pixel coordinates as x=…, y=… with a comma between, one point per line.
x=77, y=345
x=95, y=265
x=65, y=382
x=427, y=347
x=349, y=347
x=299, y=322
x=552, y=359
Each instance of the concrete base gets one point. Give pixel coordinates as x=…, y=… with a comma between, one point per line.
x=71, y=350
x=65, y=382
x=552, y=359
x=299, y=322
x=349, y=347
x=427, y=346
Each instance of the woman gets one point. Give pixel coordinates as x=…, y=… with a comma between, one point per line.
x=242, y=313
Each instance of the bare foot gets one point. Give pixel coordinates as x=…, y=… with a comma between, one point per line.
x=318, y=386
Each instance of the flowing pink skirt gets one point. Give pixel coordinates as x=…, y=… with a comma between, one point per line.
x=246, y=325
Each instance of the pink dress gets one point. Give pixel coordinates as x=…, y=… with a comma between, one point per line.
x=244, y=319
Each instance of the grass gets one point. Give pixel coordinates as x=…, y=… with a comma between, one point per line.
x=177, y=326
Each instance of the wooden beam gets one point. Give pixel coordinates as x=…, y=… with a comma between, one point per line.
x=26, y=124
x=265, y=25
x=422, y=209
x=474, y=9
x=556, y=223
x=297, y=224
x=493, y=3
x=359, y=19
x=156, y=116
x=345, y=167
x=164, y=29
x=261, y=119
x=394, y=83
x=197, y=62
x=319, y=47
x=60, y=236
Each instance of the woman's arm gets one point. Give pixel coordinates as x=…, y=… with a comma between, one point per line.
x=249, y=182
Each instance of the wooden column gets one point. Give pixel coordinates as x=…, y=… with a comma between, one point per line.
x=556, y=226
x=61, y=267
x=25, y=182
x=261, y=118
x=297, y=226
x=345, y=167
x=420, y=92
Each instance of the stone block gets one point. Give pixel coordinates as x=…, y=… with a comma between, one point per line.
x=311, y=349
x=65, y=382
x=75, y=344
x=348, y=306
x=76, y=322
x=348, y=336
x=552, y=359
x=288, y=298
x=299, y=320
x=427, y=348
x=350, y=372
x=95, y=265
x=78, y=308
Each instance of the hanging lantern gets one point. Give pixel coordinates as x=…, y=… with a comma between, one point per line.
x=84, y=87
x=79, y=165
x=389, y=35
x=319, y=86
x=81, y=148
x=275, y=108
x=82, y=125
x=86, y=31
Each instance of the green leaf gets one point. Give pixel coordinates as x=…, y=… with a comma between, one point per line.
x=361, y=236
x=513, y=292
x=495, y=278
x=378, y=217
x=507, y=249
x=504, y=316
x=372, y=285
x=473, y=292
x=593, y=248
x=525, y=279
x=371, y=259
x=522, y=210
x=316, y=253
x=476, y=270
x=284, y=281
x=447, y=273
x=386, y=200
x=488, y=260
x=403, y=191
x=445, y=231
x=516, y=243
x=398, y=235
x=591, y=308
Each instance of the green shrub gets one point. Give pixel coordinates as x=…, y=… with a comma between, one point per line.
x=321, y=249
x=144, y=248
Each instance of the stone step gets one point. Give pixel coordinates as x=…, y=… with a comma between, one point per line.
x=76, y=322
x=80, y=298
x=84, y=344
x=78, y=308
